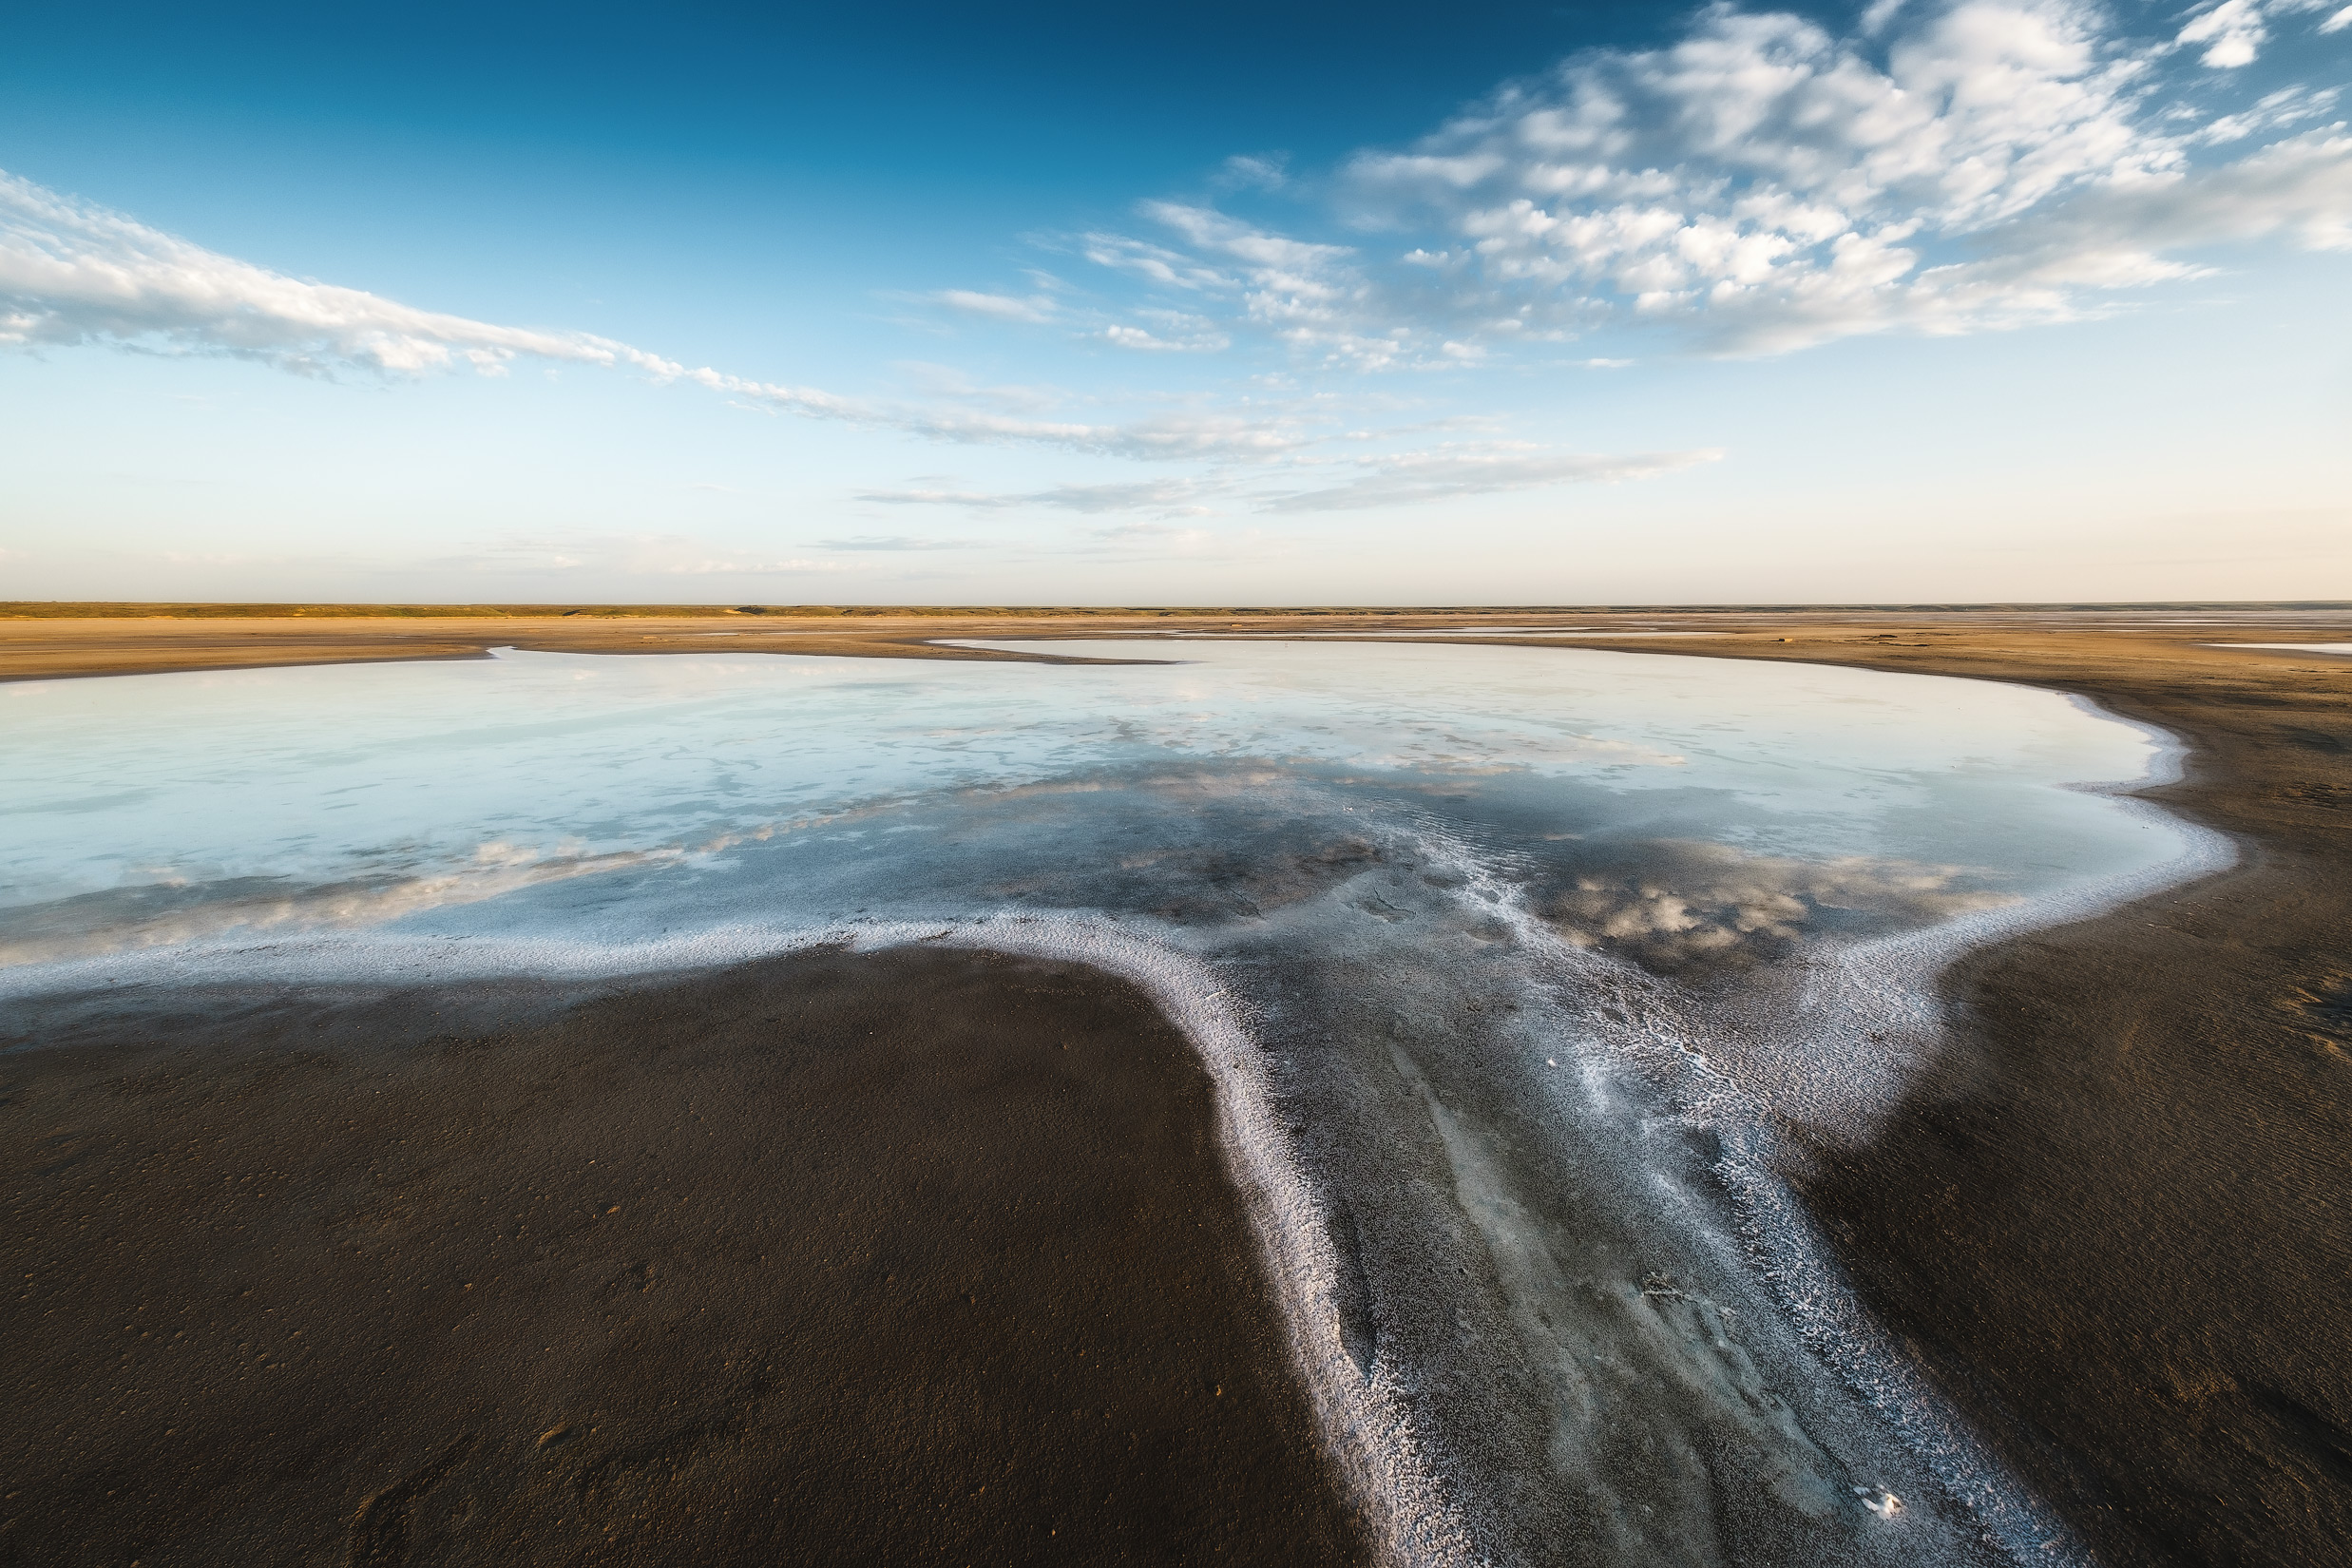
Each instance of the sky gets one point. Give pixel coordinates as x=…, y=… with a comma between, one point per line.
x=1930, y=300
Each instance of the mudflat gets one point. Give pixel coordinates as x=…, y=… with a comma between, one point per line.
x=2114, y=1222
x=917, y=1256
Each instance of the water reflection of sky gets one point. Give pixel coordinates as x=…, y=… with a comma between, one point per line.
x=1453, y=890
x=462, y=769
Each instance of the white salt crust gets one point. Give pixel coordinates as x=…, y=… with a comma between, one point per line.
x=1366, y=1422
x=1862, y=1022
x=1867, y=1021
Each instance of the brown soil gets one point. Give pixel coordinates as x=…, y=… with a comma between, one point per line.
x=924, y=1256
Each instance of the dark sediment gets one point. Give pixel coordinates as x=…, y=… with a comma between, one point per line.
x=2116, y=1224
x=917, y=1256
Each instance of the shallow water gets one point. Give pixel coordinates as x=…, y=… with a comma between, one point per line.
x=1520, y=962
x=2294, y=647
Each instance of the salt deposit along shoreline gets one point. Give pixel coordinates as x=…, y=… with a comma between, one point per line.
x=453, y=950
x=2093, y=1215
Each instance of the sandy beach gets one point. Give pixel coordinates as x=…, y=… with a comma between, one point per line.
x=2112, y=1223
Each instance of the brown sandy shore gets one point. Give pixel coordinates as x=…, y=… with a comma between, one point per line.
x=2113, y=1224
x=919, y=1256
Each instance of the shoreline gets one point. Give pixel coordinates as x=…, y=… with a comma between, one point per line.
x=63, y=647
x=1369, y=1437
x=2037, y=1222
x=2109, y=1221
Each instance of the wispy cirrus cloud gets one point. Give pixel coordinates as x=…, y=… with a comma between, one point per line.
x=1454, y=473
x=899, y=544
x=1449, y=472
x=1168, y=331
x=73, y=272
x=1141, y=495
x=1035, y=308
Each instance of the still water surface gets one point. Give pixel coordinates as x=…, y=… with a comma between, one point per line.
x=1535, y=956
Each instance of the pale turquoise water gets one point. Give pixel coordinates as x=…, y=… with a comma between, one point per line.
x=2294, y=647
x=468, y=771
x=1473, y=904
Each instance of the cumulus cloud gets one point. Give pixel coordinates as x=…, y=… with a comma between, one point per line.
x=1764, y=184
x=1779, y=185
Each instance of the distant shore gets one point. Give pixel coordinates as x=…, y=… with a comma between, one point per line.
x=52, y=641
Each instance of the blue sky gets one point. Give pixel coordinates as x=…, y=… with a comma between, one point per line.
x=1994, y=299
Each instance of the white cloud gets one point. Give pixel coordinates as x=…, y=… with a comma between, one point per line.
x=1153, y=264
x=1144, y=340
x=2275, y=112
x=1307, y=293
x=1762, y=184
x=71, y=273
x=1762, y=172
x=1036, y=309
x=2232, y=33
x=1158, y=495
x=899, y=542
x=1439, y=473
x=1260, y=171
x=1452, y=473
x=74, y=273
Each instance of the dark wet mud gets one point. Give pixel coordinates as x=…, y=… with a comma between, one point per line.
x=916, y=1257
